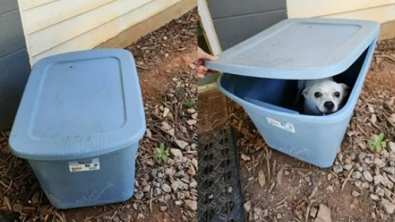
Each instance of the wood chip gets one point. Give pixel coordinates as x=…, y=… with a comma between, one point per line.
x=261, y=178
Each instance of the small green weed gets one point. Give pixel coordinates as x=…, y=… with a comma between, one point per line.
x=377, y=143
x=162, y=154
x=189, y=104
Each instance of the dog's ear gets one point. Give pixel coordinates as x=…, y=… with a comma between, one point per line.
x=346, y=89
x=305, y=92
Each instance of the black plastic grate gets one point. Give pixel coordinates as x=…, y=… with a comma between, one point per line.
x=220, y=197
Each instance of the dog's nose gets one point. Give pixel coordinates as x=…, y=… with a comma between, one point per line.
x=329, y=105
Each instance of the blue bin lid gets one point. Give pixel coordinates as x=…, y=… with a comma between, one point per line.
x=79, y=105
x=299, y=49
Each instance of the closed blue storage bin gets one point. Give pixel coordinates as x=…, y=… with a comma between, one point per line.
x=264, y=74
x=79, y=124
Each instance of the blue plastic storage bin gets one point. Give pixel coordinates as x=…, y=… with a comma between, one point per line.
x=262, y=75
x=79, y=124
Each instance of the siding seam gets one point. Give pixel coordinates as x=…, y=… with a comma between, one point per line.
x=70, y=18
x=247, y=15
x=39, y=6
x=32, y=56
x=12, y=10
x=13, y=52
x=355, y=10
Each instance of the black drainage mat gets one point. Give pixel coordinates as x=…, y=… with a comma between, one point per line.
x=220, y=196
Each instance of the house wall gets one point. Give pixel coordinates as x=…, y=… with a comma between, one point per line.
x=57, y=26
x=236, y=21
x=14, y=64
x=382, y=11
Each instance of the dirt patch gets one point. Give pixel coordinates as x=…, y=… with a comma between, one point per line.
x=294, y=190
x=171, y=47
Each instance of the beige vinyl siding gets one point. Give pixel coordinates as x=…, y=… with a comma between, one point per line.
x=340, y=8
x=58, y=26
x=382, y=11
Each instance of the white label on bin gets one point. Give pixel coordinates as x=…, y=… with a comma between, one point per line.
x=79, y=166
x=285, y=126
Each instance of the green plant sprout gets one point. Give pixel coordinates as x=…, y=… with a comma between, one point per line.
x=189, y=104
x=162, y=154
x=377, y=143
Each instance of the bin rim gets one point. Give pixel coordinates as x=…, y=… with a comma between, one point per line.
x=24, y=144
x=344, y=113
x=236, y=60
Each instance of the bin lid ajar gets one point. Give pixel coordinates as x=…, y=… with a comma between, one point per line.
x=299, y=49
x=79, y=105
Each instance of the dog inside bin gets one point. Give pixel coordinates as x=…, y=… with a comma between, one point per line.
x=280, y=94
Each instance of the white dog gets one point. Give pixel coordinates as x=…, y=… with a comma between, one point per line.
x=325, y=94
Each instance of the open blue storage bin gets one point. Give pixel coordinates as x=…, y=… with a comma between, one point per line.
x=79, y=124
x=262, y=75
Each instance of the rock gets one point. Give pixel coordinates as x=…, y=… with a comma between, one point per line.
x=176, y=153
x=324, y=214
x=165, y=126
x=379, y=162
x=279, y=216
x=163, y=208
x=286, y=173
x=191, y=111
x=139, y=195
x=191, y=205
x=365, y=185
x=247, y=206
x=157, y=192
x=390, y=170
x=374, y=197
x=166, y=188
x=169, y=172
x=330, y=188
x=36, y=198
x=356, y=175
x=175, y=185
x=378, y=179
x=380, y=191
x=140, y=216
x=355, y=194
x=179, y=174
x=358, y=184
x=178, y=202
x=337, y=169
x=166, y=112
x=361, y=156
x=195, y=163
x=191, y=122
x=347, y=166
x=391, y=145
x=194, y=116
x=17, y=207
x=147, y=189
x=115, y=219
x=192, y=171
x=388, y=206
x=193, y=184
x=368, y=177
x=313, y=212
x=181, y=144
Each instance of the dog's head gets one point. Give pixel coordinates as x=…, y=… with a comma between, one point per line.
x=327, y=96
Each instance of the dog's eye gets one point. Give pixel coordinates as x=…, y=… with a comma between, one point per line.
x=317, y=94
x=337, y=94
